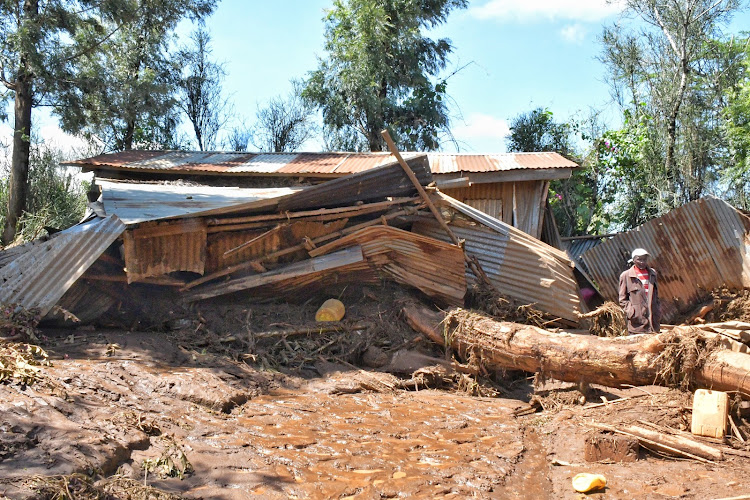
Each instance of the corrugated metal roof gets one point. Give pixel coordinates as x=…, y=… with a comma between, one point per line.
x=577, y=247
x=138, y=202
x=694, y=249
x=519, y=265
x=311, y=164
x=432, y=266
x=388, y=180
x=40, y=277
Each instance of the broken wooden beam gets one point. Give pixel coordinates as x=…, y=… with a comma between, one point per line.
x=336, y=260
x=612, y=362
x=669, y=443
x=318, y=215
x=289, y=250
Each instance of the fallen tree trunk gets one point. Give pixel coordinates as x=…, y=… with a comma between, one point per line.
x=612, y=362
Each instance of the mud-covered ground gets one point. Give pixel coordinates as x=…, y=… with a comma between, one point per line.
x=185, y=413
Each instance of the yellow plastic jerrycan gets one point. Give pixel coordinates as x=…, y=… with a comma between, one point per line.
x=585, y=482
x=331, y=310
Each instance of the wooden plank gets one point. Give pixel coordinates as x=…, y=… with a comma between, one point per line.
x=287, y=251
x=169, y=228
x=332, y=261
x=333, y=212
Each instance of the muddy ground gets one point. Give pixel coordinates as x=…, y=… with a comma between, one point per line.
x=201, y=409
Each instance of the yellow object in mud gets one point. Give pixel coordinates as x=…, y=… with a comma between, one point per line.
x=589, y=482
x=331, y=310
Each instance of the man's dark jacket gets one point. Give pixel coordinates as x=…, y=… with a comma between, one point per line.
x=641, y=309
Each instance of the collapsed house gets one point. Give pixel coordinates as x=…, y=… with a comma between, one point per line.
x=366, y=223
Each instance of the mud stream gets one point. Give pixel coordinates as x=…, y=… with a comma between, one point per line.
x=316, y=445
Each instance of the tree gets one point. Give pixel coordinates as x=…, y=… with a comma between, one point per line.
x=380, y=72
x=576, y=202
x=661, y=64
x=200, y=90
x=41, y=44
x=284, y=124
x=737, y=126
x=122, y=93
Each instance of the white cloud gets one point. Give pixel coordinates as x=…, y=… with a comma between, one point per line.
x=479, y=125
x=54, y=136
x=573, y=33
x=552, y=10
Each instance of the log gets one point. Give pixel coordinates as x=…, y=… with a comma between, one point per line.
x=612, y=362
x=669, y=443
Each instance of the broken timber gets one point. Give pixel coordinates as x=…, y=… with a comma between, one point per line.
x=568, y=357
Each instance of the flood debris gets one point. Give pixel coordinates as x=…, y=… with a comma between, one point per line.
x=681, y=357
x=237, y=284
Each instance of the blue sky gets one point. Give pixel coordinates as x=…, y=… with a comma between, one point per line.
x=519, y=55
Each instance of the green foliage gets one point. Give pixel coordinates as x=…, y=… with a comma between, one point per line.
x=670, y=72
x=537, y=131
x=56, y=199
x=284, y=124
x=380, y=73
x=737, y=126
x=122, y=93
x=199, y=93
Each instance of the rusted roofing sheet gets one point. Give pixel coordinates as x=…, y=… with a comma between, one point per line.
x=388, y=180
x=138, y=202
x=694, y=249
x=310, y=164
x=40, y=277
x=432, y=266
x=519, y=265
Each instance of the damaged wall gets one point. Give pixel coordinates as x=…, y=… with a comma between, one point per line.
x=696, y=248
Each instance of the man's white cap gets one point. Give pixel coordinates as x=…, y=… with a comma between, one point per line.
x=638, y=252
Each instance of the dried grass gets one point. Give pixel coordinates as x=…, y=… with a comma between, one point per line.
x=489, y=301
x=83, y=487
x=607, y=320
x=684, y=354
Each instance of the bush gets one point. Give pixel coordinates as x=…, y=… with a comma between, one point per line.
x=56, y=199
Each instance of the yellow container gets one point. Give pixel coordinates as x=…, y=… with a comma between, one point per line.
x=585, y=482
x=331, y=310
x=710, y=413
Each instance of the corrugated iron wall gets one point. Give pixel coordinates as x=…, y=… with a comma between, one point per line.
x=520, y=204
x=180, y=247
x=39, y=277
x=519, y=270
x=694, y=249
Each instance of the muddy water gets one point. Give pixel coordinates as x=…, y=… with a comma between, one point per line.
x=417, y=445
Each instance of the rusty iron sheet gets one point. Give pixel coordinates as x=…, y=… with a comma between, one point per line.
x=224, y=247
x=429, y=265
x=696, y=248
x=309, y=164
x=371, y=185
x=39, y=277
x=388, y=180
x=519, y=265
x=154, y=249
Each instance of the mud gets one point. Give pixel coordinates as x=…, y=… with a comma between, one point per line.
x=143, y=406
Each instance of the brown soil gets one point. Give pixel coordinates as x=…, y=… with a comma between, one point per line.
x=203, y=410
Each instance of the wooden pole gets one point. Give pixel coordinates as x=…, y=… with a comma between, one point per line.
x=472, y=262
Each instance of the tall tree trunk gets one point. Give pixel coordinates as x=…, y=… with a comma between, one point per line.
x=19, y=166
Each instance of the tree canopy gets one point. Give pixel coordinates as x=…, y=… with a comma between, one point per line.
x=382, y=71
x=47, y=50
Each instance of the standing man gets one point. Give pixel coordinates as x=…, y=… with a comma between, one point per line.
x=639, y=295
